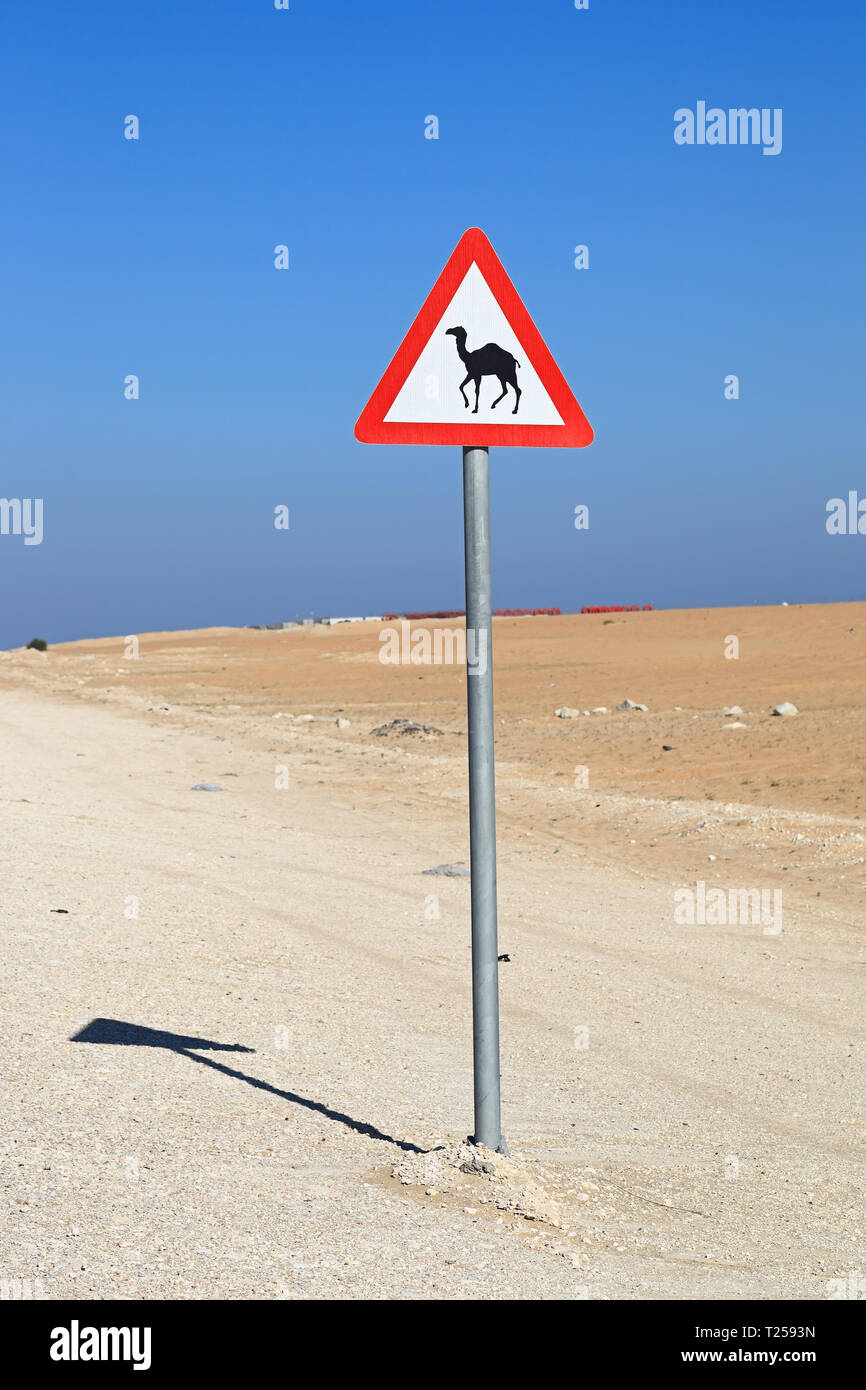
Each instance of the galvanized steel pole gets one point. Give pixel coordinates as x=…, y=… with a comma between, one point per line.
x=482, y=808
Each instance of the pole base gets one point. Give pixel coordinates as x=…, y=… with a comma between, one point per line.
x=501, y=1147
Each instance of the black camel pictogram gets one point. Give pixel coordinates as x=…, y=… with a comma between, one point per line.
x=490, y=360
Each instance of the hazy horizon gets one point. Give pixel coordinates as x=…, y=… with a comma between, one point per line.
x=566, y=612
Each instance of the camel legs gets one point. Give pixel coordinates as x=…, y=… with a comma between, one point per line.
x=502, y=382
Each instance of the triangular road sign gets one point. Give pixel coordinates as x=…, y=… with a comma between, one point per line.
x=474, y=345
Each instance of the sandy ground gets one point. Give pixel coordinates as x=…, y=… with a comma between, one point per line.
x=236, y=1024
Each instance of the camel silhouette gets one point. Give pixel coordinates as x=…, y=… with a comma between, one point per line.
x=490, y=360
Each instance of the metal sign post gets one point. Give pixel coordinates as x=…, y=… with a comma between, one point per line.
x=482, y=805
x=474, y=330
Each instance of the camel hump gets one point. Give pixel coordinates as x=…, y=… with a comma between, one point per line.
x=494, y=347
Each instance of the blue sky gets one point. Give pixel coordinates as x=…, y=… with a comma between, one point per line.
x=306, y=127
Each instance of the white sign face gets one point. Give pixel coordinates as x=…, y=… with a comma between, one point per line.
x=481, y=355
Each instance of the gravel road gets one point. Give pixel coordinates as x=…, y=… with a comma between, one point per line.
x=237, y=1039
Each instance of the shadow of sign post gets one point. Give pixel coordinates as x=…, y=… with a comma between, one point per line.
x=116, y=1032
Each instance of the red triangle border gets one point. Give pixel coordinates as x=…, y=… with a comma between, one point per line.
x=575, y=432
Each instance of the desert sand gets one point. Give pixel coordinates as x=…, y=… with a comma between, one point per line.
x=237, y=1023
